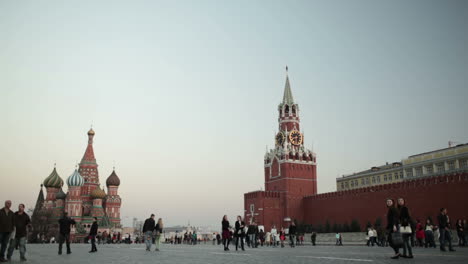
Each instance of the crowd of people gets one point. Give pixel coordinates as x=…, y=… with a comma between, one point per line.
x=253, y=236
x=403, y=233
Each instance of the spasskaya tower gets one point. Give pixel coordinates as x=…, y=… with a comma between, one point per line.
x=290, y=171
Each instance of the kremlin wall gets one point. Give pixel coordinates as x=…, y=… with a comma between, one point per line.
x=290, y=173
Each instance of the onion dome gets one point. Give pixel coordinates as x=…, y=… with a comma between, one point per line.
x=98, y=193
x=75, y=179
x=113, y=180
x=54, y=180
x=91, y=132
x=60, y=195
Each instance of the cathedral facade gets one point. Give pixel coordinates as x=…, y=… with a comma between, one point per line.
x=84, y=199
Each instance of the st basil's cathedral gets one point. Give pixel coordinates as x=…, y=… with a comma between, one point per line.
x=84, y=198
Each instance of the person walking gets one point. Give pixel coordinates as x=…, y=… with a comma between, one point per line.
x=405, y=221
x=239, y=233
x=313, y=237
x=225, y=232
x=92, y=235
x=251, y=235
x=292, y=233
x=393, y=221
x=274, y=236
x=420, y=234
x=6, y=227
x=460, y=233
x=158, y=231
x=22, y=222
x=429, y=234
x=465, y=231
x=65, y=224
x=444, y=230
x=148, y=228
x=282, y=236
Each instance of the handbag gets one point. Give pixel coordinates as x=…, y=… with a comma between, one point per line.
x=405, y=229
x=397, y=239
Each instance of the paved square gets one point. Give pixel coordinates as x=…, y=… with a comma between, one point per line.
x=209, y=254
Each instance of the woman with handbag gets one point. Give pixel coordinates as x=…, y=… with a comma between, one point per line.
x=158, y=231
x=393, y=220
x=405, y=228
x=239, y=234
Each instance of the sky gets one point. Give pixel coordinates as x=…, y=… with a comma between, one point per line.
x=183, y=95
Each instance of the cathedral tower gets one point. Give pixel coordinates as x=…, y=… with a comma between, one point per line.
x=88, y=169
x=113, y=200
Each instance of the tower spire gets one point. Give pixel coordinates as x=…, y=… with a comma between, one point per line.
x=287, y=97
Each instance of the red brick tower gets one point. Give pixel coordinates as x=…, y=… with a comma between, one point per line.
x=290, y=171
x=88, y=169
x=113, y=200
x=98, y=195
x=53, y=183
x=74, y=202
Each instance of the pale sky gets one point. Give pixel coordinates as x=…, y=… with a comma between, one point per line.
x=183, y=95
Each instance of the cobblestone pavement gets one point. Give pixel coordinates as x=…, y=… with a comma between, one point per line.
x=209, y=254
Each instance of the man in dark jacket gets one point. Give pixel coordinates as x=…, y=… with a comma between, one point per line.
x=22, y=221
x=64, y=229
x=313, y=237
x=292, y=233
x=444, y=230
x=92, y=234
x=6, y=227
x=148, y=228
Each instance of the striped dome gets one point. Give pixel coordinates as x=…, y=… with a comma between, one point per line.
x=54, y=180
x=98, y=193
x=75, y=179
x=60, y=195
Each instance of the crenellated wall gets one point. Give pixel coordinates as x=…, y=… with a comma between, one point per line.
x=424, y=198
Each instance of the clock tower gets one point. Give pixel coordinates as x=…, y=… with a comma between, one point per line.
x=290, y=171
x=290, y=167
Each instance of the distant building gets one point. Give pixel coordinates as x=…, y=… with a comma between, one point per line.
x=433, y=163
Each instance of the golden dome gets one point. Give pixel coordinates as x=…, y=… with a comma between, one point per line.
x=98, y=193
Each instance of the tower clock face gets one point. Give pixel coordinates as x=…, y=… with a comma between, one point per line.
x=295, y=137
x=280, y=138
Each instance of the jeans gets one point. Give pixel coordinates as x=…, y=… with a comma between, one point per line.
x=292, y=240
x=93, y=244
x=429, y=239
x=241, y=239
x=4, y=237
x=21, y=241
x=148, y=240
x=407, y=245
x=157, y=241
x=64, y=238
x=461, y=239
x=390, y=242
x=445, y=236
x=252, y=240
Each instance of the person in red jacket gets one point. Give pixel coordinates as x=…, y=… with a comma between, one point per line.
x=420, y=234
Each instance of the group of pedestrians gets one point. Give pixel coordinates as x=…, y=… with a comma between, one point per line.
x=152, y=229
x=13, y=231
x=400, y=233
x=253, y=235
